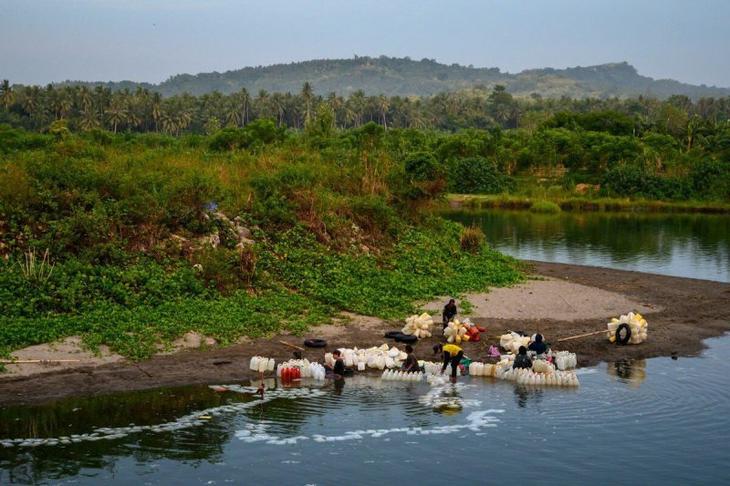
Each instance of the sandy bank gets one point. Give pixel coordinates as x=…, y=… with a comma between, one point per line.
x=566, y=300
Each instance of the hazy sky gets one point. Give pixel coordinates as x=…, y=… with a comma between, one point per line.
x=149, y=40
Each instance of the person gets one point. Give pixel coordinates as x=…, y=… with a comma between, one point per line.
x=452, y=355
x=411, y=363
x=522, y=360
x=338, y=370
x=449, y=312
x=538, y=346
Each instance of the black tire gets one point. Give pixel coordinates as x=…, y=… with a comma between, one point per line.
x=626, y=336
x=315, y=343
x=406, y=338
x=393, y=334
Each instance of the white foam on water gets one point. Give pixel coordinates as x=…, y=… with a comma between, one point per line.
x=184, y=422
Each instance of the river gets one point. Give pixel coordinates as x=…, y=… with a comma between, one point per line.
x=681, y=245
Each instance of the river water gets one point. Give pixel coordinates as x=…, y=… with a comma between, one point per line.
x=682, y=245
x=642, y=422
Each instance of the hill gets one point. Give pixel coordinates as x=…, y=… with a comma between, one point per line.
x=406, y=77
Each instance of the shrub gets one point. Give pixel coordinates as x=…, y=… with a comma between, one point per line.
x=477, y=175
x=545, y=207
x=472, y=239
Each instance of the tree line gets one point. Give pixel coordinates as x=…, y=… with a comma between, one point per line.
x=84, y=109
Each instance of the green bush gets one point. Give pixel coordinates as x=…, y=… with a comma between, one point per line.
x=477, y=175
x=545, y=207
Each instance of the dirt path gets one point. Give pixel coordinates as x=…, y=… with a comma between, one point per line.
x=681, y=313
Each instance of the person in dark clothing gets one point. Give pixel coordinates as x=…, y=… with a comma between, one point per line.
x=449, y=312
x=411, y=363
x=452, y=355
x=338, y=370
x=538, y=346
x=522, y=360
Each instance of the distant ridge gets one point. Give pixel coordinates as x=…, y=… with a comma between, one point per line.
x=406, y=77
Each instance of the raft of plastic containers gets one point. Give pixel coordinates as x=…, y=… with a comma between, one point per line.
x=394, y=375
x=261, y=364
x=295, y=369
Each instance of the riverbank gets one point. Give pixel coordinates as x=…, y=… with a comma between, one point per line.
x=506, y=201
x=681, y=314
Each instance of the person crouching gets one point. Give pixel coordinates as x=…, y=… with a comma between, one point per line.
x=452, y=355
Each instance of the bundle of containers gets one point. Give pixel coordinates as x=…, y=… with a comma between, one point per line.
x=542, y=373
x=456, y=332
x=419, y=326
x=432, y=368
x=261, y=364
x=526, y=376
x=300, y=368
x=636, y=322
x=393, y=375
x=380, y=358
x=512, y=341
x=565, y=360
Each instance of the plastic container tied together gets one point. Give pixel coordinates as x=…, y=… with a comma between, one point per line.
x=300, y=368
x=432, y=368
x=636, y=322
x=393, y=375
x=261, y=364
x=477, y=368
x=524, y=376
x=456, y=332
x=512, y=342
x=419, y=326
x=565, y=360
x=379, y=358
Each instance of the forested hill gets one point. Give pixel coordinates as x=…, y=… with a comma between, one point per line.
x=406, y=77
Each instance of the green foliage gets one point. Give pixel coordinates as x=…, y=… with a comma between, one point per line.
x=476, y=175
x=256, y=134
x=545, y=207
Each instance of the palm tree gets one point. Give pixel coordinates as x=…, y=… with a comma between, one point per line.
x=88, y=120
x=383, y=106
x=307, y=97
x=277, y=103
x=116, y=113
x=244, y=99
x=156, y=110
x=7, y=96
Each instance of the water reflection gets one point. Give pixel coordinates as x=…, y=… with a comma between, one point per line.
x=689, y=245
x=631, y=371
x=525, y=394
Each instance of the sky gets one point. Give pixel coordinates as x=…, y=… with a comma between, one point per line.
x=43, y=41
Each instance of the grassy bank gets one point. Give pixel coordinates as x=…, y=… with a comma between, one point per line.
x=568, y=203
x=242, y=234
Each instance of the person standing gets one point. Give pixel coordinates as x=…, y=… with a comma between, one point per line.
x=449, y=312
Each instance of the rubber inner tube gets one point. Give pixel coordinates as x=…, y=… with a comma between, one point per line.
x=315, y=343
x=406, y=338
x=393, y=334
x=623, y=337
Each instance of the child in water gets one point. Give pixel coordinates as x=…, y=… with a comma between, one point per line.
x=338, y=370
x=411, y=363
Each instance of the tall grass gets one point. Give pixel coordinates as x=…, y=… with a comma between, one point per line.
x=35, y=270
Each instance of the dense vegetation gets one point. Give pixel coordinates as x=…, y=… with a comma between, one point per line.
x=406, y=77
x=235, y=216
x=246, y=232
